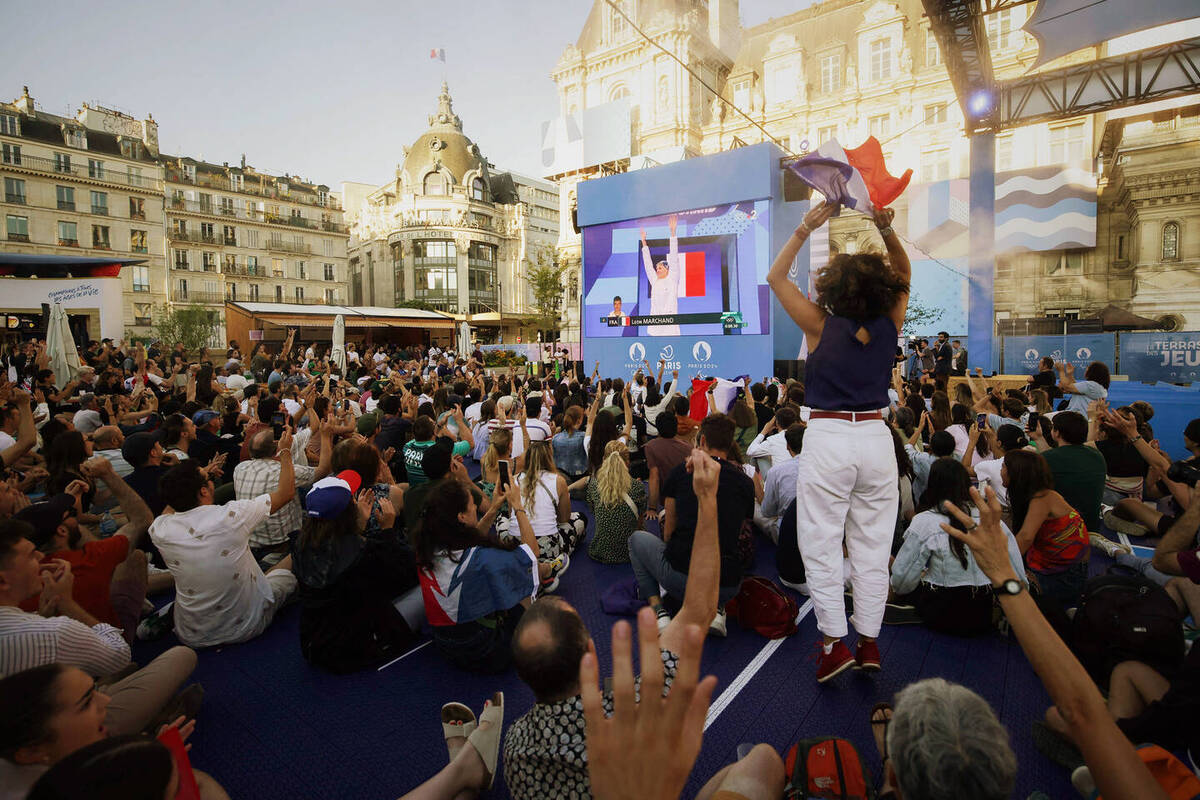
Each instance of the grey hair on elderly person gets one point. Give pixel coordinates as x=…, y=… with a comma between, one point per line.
x=944, y=741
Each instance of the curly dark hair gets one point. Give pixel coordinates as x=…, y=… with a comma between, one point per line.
x=859, y=287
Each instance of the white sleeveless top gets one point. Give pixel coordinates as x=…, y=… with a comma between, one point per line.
x=543, y=511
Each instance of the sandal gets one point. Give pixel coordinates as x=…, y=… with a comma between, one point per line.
x=885, y=721
x=457, y=720
x=486, y=741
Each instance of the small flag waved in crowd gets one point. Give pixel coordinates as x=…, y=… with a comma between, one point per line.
x=438, y=54
x=855, y=178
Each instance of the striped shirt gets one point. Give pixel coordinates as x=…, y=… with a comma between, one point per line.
x=30, y=640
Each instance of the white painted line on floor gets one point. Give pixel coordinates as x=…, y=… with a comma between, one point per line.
x=406, y=655
x=734, y=689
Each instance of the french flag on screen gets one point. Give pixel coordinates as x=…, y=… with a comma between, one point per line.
x=692, y=284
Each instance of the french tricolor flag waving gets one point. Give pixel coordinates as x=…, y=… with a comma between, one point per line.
x=438, y=54
x=856, y=178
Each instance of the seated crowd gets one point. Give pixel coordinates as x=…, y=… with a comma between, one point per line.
x=243, y=484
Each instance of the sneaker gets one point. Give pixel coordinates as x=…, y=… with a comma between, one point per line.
x=557, y=567
x=157, y=625
x=663, y=617
x=717, y=626
x=802, y=588
x=866, y=655
x=1108, y=546
x=1125, y=526
x=835, y=662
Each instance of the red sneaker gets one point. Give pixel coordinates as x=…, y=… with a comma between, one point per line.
x=866, y=655
x=835, y=662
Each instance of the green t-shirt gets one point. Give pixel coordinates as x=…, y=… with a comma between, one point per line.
x=414, y=461
x=1079, y=473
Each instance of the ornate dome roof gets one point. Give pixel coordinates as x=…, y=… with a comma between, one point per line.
x=443, y=144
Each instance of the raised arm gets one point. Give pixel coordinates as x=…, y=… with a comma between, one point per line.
x=26, y=430
x=704, y=568
x=1066, y=377
x=1115, y=765
x=805, y=313
x=674, y=261
x=287, y=474
x=647, y=262
x=897, y=259
x=132, y=505
x=513, y=496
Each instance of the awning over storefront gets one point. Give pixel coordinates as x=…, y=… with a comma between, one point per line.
x=25, y=265
x=319, y=322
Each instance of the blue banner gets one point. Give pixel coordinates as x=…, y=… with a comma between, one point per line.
x=1158, y=356
x=1022, y=353
x=717, y=356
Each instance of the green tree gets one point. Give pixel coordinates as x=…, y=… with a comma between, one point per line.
x=919, y=315
x=421, y=305
x=192, y=325
x=545, y=276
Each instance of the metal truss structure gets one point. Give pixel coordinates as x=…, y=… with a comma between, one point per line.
x=1156, y=73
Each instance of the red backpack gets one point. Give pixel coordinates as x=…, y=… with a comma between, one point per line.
x=827, y=768
x=763, y=607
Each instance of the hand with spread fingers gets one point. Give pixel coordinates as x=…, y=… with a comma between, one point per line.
x=645, y=749
x=986, y=538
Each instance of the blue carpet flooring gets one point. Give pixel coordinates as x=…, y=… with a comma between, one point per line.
x=274, y=727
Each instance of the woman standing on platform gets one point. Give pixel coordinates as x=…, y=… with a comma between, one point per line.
x=847, y=485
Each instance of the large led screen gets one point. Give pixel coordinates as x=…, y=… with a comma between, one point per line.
x=700, y=272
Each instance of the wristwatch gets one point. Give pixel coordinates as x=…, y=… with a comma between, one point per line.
x=1011, y=586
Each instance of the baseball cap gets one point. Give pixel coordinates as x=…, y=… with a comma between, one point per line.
x=46, y=516
x=137, y=447
x=329, y=496
x=236, y=382
x=367, y=424
x=204, y=416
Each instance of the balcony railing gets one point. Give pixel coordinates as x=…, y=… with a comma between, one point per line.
x=18, y=237
x=192, y=296
x=222, y=183
x=37, y=164
x=280, y=246
x=68, y=243
x=100, y=210
x=197, y=207
x=192, y=236
x=19, y=199
x=137, y=215
x=66, y=205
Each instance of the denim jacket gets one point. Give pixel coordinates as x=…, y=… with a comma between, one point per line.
x=926, y=556
x=569, y=453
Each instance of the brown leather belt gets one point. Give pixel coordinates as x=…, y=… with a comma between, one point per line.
x=851, y=416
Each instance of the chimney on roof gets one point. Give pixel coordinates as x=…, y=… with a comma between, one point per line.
x=25, y=102
x=243, y=160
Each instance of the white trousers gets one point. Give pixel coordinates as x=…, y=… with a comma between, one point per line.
x=847, y=490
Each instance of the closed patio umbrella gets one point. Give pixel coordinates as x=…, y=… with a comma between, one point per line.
x=60, y=346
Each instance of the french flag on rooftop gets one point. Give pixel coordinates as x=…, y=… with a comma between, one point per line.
x=856, y=178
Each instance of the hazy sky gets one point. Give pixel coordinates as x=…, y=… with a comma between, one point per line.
x=327, y=91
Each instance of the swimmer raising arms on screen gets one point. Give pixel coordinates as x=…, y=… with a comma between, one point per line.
x=665, y=277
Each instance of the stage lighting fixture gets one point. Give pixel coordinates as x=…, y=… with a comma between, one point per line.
x=980, y=102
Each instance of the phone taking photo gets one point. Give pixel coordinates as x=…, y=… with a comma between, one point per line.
x=1032, y=425
x=505, y=477
x=981, y=421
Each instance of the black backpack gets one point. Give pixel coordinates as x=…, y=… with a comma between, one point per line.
x=1126, y=618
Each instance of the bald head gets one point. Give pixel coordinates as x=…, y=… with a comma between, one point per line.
x=108, y=437
x=547, y=646
x=262, y=444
